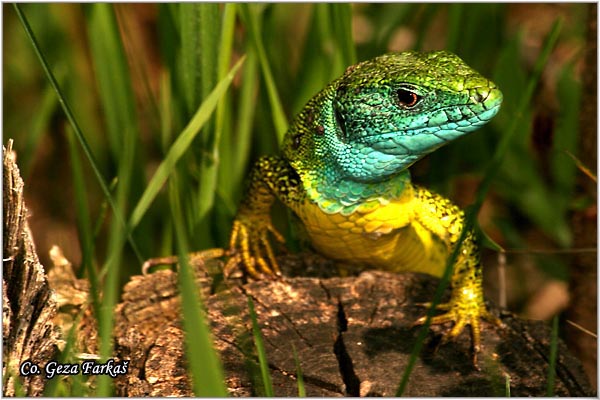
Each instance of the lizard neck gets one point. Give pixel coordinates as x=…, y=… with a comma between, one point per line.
x=334, y=194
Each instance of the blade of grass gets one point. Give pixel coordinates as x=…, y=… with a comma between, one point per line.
x=251, y=20
x=54, y=386
x=73, y=122
x=84, y=223
x=552, y=361
x=300, y=377
x=118, y=103
x=428, y=15
x=504, y=144
x=138, y=60
x=112, y=75
x=225, y=50
x=341, y=14
x=180, y=146
x=319, y=64
x=210, y=164
x=247, y=108
x=581, y=167
x=166, y=115
x=103, y=210
x=199, y=32
x=40, y=122
x=205, y=366
x=260, y=350
x=454, y=26
x=18, y=385
x=235, y=144
x=472, y=211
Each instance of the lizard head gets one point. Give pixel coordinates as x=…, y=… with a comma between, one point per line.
x=384, y=114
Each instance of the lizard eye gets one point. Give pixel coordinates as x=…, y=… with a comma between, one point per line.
x=407, y=98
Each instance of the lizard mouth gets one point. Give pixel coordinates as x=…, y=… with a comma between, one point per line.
x=440, y=127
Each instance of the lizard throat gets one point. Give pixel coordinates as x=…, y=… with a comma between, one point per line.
x=346, y=196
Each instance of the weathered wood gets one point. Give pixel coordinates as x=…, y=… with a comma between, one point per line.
x=28, y=305
x=353, y=337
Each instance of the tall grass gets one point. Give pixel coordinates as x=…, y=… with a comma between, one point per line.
x=175, y=123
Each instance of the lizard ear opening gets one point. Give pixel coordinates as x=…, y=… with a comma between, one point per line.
x=341, y=123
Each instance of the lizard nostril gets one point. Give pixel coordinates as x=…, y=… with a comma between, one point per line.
x=479, y=95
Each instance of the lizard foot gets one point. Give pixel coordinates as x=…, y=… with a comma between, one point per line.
x=196, y=259
x=250, y=242
x=249, y=247
x=462, y=312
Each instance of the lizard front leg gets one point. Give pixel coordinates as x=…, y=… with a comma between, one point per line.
x=271, y=178
x=467, y=304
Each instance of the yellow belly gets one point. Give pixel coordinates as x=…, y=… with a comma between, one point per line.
x=385, y=235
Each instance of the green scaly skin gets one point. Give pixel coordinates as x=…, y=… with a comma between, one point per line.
x=344, y=172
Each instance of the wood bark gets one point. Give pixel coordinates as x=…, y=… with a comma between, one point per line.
x=353, y=337
x=29, y=332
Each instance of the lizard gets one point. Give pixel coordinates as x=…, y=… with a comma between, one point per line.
x=343, y=170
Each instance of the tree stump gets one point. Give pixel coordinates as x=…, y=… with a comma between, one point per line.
x=353, y=337
x=29, y=333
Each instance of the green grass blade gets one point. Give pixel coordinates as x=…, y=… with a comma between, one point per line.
x=165, y=112
x=430, y=12
x=54, y=386
x=72, y=121
x=84, y=223
x=472, y=211
x=251, y=20
x=180, y=146
x=299, y=375
x=247, y=108
x=199, y=30
x=41, y=120
x=205, y=366
x=565, y=141
x=225, y=50
x=552, y=362
x=210, y=164
x=504, y=144
x=112, y=74
x=454, y=26
x=118, y=103
x=235, y=144
x=341, y=14
x=260, y=350
x=199, y=55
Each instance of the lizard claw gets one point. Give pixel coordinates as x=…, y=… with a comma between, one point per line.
x=249, y=246
x=462, y=311
x=250, y=239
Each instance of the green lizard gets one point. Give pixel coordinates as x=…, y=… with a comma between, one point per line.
x=344, y=172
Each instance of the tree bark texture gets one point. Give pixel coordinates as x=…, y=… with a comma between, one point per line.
x=28, y=305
